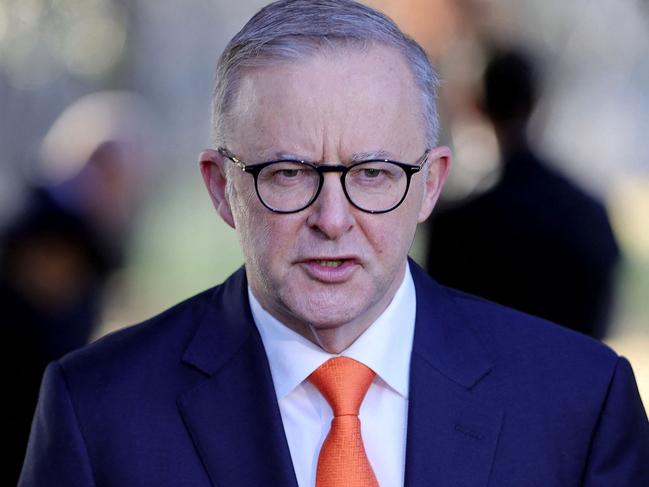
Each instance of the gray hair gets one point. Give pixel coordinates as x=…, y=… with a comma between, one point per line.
x=291, y=30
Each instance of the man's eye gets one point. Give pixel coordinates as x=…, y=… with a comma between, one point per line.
x=371, y=173
x=284, y=174
x=288, y=173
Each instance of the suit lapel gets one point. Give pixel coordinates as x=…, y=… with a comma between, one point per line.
x=232, y=415
x=452, y=434
x=234, y=421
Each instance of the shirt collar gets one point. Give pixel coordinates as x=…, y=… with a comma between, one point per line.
x=385, y=346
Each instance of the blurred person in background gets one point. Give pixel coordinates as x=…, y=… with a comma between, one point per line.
x=535, y=241
x=329, y=358
x=58, y=251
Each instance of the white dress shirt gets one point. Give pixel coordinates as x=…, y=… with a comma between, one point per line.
x=385, y=347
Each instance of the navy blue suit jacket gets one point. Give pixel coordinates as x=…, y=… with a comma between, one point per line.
x=497, y=398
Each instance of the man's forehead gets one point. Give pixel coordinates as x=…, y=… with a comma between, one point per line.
x=360, y=98
x=379, y=61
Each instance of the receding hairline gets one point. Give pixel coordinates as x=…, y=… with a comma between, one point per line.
x=292, y=30
x=321, y=48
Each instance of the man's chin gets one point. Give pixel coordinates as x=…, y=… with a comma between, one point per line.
x=328, y=314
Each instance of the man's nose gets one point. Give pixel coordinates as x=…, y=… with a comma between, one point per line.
x=331, y=213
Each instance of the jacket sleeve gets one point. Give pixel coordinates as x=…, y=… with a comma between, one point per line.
x=619, y=450
x=56, y=454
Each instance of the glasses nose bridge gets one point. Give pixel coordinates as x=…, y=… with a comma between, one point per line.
x=328, y=169
x=324, y=169
x=332, y=168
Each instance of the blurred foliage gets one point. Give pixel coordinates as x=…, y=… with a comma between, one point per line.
x=40, y=40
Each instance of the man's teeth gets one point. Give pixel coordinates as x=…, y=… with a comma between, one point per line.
x=330, y=263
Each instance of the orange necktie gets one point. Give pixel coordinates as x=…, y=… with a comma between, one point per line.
x=343, y=462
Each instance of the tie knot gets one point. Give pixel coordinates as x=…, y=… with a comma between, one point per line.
x=343, y=382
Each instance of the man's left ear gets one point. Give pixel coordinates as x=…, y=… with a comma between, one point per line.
x=439, y=163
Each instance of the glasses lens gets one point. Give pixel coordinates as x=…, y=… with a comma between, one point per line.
x=287, y=186
x=376, y=186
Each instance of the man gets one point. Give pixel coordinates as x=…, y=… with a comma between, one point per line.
x=238, y=386
x=535, y=242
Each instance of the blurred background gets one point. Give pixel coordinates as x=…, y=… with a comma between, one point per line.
x=153, y=62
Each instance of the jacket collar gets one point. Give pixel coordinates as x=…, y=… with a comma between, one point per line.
x=232, y=415
x=445, y=336
x=224, y=325
x=452, y=431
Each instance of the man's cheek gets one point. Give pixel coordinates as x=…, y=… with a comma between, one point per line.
x=382, y=239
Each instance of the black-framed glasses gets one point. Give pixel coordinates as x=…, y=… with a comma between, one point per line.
x=289, y=186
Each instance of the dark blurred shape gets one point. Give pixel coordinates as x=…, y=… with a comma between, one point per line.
x=58, y=252
x=535, y=241
x=51, y=275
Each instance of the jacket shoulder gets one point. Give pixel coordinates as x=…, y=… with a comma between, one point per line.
x=162, y=336
x=511, y=332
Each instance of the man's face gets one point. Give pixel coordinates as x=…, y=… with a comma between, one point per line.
x=331, y=269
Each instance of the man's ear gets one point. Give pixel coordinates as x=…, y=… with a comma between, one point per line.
x=213, y=171
x=439, y=163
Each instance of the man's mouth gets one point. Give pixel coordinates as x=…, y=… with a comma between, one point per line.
x=329, y=263
x=330, y=270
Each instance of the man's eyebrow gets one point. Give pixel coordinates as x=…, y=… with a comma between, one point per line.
x=356, y=157
x=368, y=155
x=272, y=155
